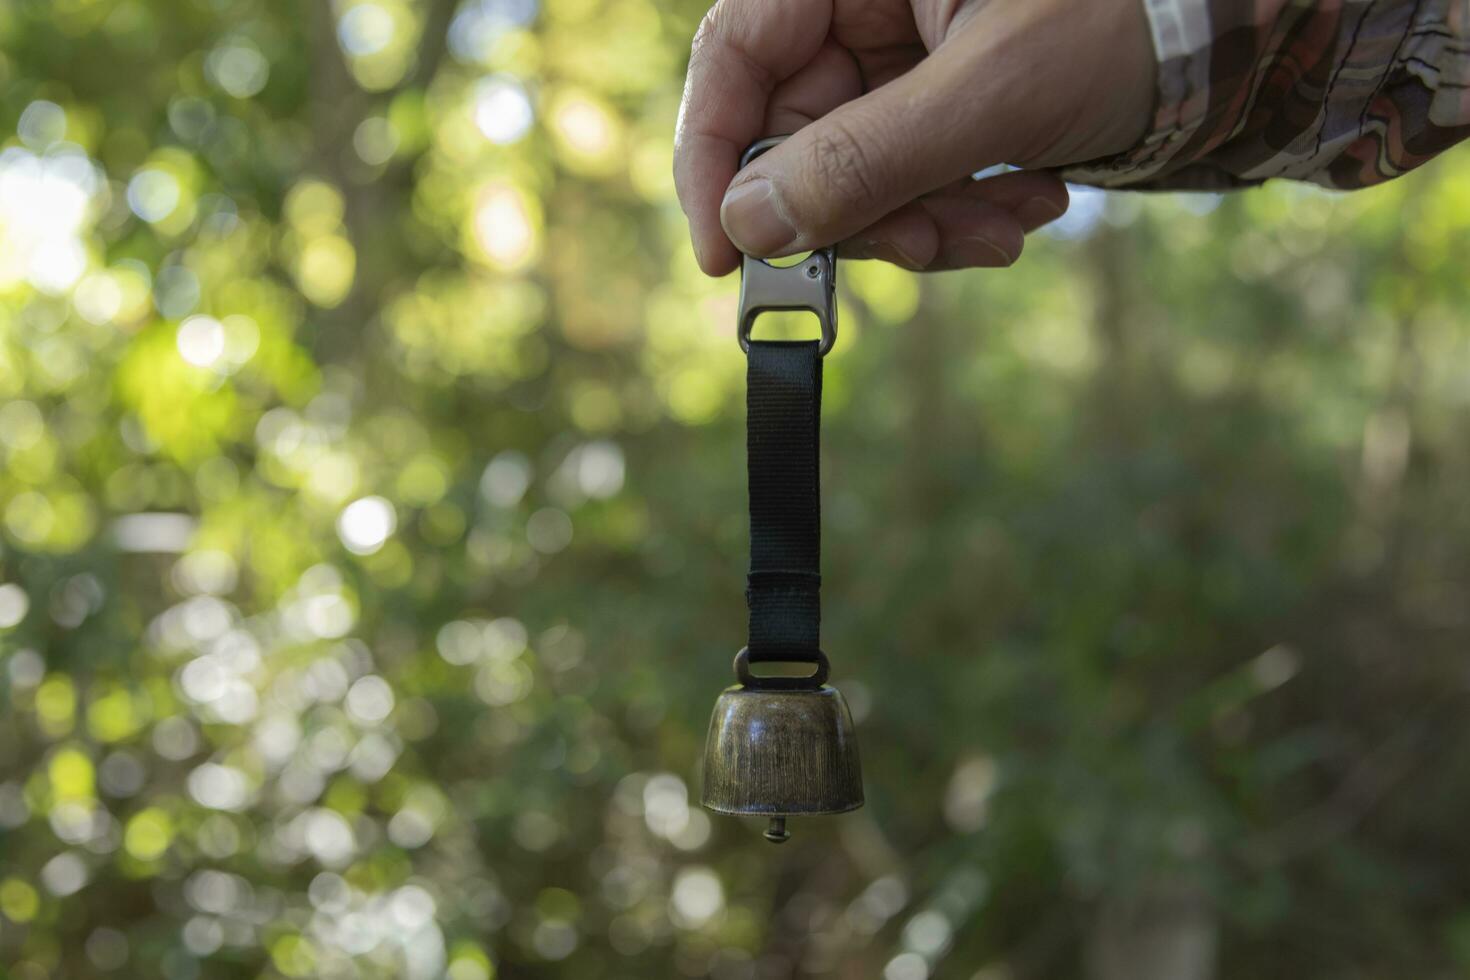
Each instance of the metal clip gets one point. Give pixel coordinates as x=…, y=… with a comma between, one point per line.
x=810, y=284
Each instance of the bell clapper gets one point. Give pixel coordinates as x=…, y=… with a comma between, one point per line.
x=776, y=833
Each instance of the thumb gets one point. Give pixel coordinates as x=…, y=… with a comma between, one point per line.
x=860, y=162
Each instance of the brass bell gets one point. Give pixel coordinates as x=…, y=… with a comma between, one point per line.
x=780, y=747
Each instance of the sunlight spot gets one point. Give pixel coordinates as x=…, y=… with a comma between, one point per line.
x=219, y=787
x=366, y=524
x=98, y=298
x=63, y=875
x=153, y=194
x=41, y=124
x=57, y=264
x=480, y=23
x=502, y=111
x=328, y=836
x=503, y=226
x=369, y=700
x=555, y=939
x=506, y=479
x=375, y=141
x=411, y=907
x=967, y=800
x=366, y=29
x=929, y=933
x=325, y=269
x=44, y=204
x=665, y=804
x=697, y=897
x=587, y=133
x=585, y=126
x=201, y=340
x=21, y=424
x=238, y=68
x=906, y=966
x=203, y=935
x=14, y=604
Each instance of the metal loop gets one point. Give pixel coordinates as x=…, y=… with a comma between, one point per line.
x=809, y=683
x=760, y=146
x=809, y=285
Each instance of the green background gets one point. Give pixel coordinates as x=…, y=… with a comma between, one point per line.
x=372, y=536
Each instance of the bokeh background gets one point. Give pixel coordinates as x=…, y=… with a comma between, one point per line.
x=372, y=536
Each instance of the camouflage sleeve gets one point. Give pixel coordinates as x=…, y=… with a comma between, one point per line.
x=1344, y=93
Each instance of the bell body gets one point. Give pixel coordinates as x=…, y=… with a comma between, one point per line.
x=781, y=753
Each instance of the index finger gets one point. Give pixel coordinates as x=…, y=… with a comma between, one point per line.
x=742, y=50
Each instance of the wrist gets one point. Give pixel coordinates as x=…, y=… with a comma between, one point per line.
x=1086, y=74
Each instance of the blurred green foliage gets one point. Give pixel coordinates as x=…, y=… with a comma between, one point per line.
x=373, y=534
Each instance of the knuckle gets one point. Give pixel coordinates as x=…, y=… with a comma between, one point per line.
x=704, y=32
x=845, y=169
x=724, y=35
x=713, y=28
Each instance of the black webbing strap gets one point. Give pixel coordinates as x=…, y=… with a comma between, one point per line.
x=783, y=423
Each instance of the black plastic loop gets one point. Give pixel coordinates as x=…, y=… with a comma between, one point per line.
x=811, y=682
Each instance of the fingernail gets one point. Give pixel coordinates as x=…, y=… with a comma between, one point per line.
x=1037, y=212
x=753, y=218
x=982, y=252
x=889, y=252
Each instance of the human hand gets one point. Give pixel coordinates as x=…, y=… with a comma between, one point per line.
x=893, y=105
